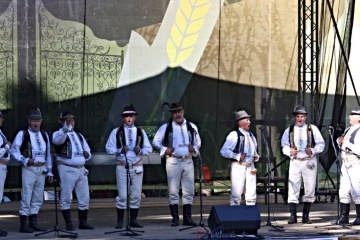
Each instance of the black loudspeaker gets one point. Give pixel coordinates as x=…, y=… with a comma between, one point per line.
x=235, y=219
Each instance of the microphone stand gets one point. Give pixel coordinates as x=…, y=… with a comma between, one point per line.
x=201, y=180
x=57, y=230
x=268, y=222
x=127, y=230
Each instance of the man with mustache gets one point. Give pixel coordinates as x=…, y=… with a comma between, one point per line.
x=31, y=148
x=72, y=152
x=179, y=141
x=302, y=143
x=240, y=147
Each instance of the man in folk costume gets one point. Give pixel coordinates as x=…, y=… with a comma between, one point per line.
x=31, y=148
x=302, y=143
x=5, y=146
x=72, y=152
x=349, y=144
x=178, y=141
x=129, y=144
x=240, y=147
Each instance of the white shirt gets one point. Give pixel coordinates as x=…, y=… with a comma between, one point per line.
x=5, y=149
x=78, y=147
x=250, y=146
x=301, y=139
x=351, y=143
x=111, y=147
x=180, y=139
x=39, y=148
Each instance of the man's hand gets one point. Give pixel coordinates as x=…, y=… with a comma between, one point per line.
x=30, y=161
x=169, y=151
x=308, y=151
x=68, y=119
x=256, y=157
x=253, y=171
x=50, y=179
x=191, y=148
x=294, y=152
x=242, y=157
x=124, y=149
x=340, y=139
x=137, y=150
x=86, y=154
x=9, y=144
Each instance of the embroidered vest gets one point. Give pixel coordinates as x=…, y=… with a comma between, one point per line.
x=25, y=147
x=65, y=149
x=120, y=138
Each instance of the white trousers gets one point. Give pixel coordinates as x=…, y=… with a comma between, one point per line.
x=74, y=179
x=180, y=171
x=32, y=191
x=299, y=171
x=242, y=179
x=135, y=187
x=350, y=183
x=3, y=172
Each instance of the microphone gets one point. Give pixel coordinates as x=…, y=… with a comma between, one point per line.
x=330, y=127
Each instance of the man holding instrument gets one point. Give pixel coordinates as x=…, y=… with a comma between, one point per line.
x=128, y=143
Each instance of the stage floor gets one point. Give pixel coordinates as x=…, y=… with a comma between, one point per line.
x=154, y=215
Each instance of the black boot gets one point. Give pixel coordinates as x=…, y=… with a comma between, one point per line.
x=120, y=218
x=357, y=220
x=83, y=219
x=174, y=209
x=293, y=216
x=187, y=221
x=3, y=233
x=344, y=214
x=23, y=225
x=133, y=215
x=33, y=224
x=306, y=211
x=67, y=217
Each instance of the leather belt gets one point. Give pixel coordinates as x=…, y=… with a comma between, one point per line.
x=246, y=164
x=68, y=165
x=40, y=164
x=138, y=163
x=303, y=159
x=179, y=157
x=3, y=162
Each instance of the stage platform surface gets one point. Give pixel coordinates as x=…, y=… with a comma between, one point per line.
x=155, y=216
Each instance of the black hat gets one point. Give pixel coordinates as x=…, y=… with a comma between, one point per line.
x=175, y=107
x=299, y=110
x=241, y=115
x=63, y=115
x=355, y=111
x=129, y=110
x=34, y=114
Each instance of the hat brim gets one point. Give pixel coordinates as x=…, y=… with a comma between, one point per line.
x=296, y=113
x=128, y=114
x=238, y=119
x=175, y=109
x=34, y=118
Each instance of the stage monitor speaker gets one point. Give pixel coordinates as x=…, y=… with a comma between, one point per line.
x=235, y=219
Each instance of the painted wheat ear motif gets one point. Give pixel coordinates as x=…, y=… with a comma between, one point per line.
x=185, y=31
